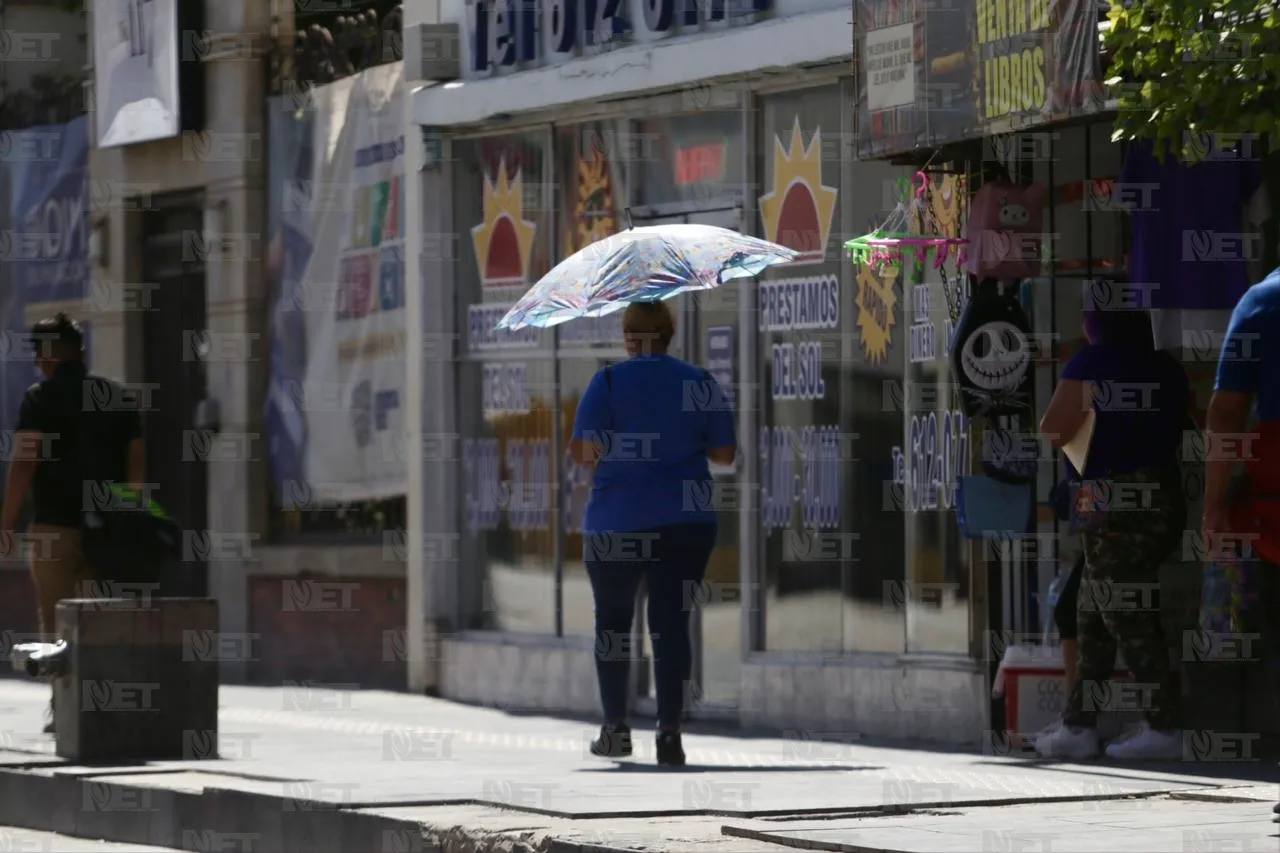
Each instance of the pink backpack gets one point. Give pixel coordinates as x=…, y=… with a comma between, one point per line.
x=1005, y=231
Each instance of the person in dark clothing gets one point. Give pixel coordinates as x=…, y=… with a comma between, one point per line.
x=74, y=429
x=1132, y=520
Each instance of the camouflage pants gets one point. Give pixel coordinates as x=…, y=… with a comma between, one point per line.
x=1119, y=604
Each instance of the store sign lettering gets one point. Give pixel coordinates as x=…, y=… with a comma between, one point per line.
x=507, y=32
x=936, y=457
x=805, y=468
x=524, y=496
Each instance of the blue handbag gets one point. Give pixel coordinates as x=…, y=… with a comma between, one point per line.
x=986, y=506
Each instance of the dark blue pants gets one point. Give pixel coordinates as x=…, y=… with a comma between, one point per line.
x=673, y=560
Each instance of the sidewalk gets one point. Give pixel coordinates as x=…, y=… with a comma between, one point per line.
x=319, y=770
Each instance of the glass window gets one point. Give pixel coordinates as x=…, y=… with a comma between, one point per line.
x=936, y=454
x=690, y=158
x=808, y=539
x=506, y=387
x=591, y=164
x=874, y=351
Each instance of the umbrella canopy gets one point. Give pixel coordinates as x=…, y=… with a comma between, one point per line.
x=642, y=265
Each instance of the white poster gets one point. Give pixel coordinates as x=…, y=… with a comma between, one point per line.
x=888, y=59
x=352, y=288
x=135, y=64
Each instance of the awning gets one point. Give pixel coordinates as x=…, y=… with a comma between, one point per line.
x=798, y=40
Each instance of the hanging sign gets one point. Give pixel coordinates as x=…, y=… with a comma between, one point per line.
x=877, y=304
x=936, y=74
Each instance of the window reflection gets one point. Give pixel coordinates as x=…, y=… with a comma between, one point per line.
x=578, y=363
x=506, y=390
x=807, y=543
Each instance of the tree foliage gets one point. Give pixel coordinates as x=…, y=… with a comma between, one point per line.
x=1183, y=69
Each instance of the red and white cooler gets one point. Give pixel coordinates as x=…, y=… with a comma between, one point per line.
x=1032, y=681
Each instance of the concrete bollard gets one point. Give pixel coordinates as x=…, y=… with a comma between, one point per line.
x=133, y=686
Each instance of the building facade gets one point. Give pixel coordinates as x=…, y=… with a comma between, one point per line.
x=813, y=614
x=171, y=255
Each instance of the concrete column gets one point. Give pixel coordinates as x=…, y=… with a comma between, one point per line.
x=421, y=676
x=431, y=439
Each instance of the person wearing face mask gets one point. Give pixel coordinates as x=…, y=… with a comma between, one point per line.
x=73, y=429
x=1131, y=513
x=649, y=426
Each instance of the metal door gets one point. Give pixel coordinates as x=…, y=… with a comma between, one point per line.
x=707, y=335
x=174, y=375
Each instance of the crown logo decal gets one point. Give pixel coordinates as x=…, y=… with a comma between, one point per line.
x=504, y=240
x=799, y=209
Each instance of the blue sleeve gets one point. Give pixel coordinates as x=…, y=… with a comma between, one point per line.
x=1085, y=365
x=593, y=409
x=1239, y=363
x=720, y=427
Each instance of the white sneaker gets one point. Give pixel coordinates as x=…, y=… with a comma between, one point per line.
x=1147, y=744
x=1046, y=731
x=1068, y=742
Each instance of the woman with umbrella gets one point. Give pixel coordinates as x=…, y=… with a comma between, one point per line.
x=649, y=426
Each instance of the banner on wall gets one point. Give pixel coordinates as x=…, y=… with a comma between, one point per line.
x=336, y=388
x=44, y=244
x=933, y=74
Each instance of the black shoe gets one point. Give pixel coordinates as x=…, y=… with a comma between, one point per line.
x=614, y=742
x=670, y=749
x=1275, y=810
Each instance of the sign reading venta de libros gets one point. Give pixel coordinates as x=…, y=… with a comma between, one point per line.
x=937, y=74
x=504, y=33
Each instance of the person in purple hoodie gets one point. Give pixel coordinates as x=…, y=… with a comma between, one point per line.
x=1131, y=517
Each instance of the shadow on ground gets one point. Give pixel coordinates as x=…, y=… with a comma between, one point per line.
x=638, y=767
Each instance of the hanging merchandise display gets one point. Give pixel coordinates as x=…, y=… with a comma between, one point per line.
x=1005, y=231
x=1189, y=240
x=991, y=354
x=910, y=231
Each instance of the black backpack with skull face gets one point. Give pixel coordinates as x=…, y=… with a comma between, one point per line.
x=991, y=355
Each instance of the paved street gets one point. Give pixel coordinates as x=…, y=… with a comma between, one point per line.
x=447, y=767
x=16, y=840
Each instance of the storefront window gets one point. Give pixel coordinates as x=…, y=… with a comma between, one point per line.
x=816, y=575
x=676, y=187
x=936, y=453
x=506, y=387
x=691, y=158
x=591, y=165
x=874, y=411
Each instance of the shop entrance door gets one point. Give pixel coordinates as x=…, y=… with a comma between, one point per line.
x=177, y=379
x=707, y=335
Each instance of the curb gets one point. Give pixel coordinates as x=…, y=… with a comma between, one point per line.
x=218, y=820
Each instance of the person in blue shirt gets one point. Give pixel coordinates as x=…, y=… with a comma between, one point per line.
x=1242, y=508
x=649, y=426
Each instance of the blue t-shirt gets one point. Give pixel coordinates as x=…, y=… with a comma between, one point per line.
x=1186, y=227
x=655, y=417
x=1247, y=363
x=1141, y=402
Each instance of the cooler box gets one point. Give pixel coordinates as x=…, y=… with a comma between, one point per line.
x=1031, y=680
